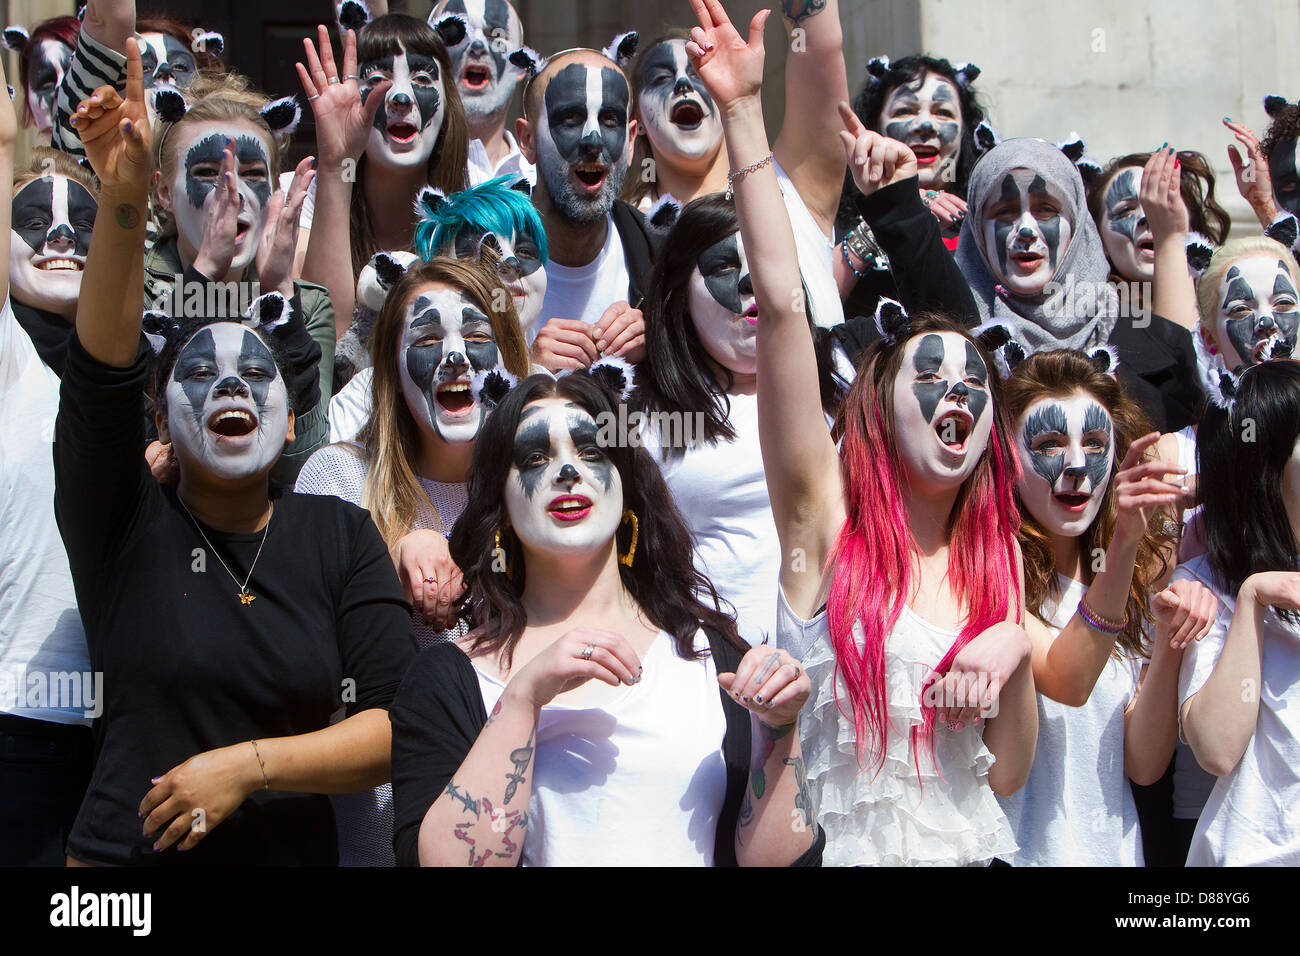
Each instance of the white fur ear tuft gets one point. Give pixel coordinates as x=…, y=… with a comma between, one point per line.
x=1073, y=146
x=891, y=319
x=15, y=38
x=878, y=67
x=282, y=115
x=452, y=28
x=986, y=137
x=267, y=312
x=353, y=14
x=527, y=62
x=490, y=385
x=169, y=103
x=623, y=48
x=211, y=42
x=1199, y=252
x=1105, y=358
x=380, y=274
x=1284, y=229
x=662, y=216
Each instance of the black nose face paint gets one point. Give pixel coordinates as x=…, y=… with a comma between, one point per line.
x=165, y=59
x=45, y=72
x=725, y=275
x=568, y=474
x=969, y=391
x=1250, y=320
x=667, y=76
x=54, y=214
x=1055, y=460
x=413, y=103
x=587, y=114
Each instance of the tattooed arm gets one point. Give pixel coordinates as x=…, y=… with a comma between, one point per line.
x=480, y=819
x=778, y=821
x=816, y=80
x=117, y=140
x=799, y=457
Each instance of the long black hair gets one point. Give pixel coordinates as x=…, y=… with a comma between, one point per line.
x=663, y=579
x=676, y=375
x=870, y=102
x=1240, y=457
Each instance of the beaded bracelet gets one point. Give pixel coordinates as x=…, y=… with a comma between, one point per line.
x=844, y=245
x=266, y=781
x=1100, y=624
x=733, y=178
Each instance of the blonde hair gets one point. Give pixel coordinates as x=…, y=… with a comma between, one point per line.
x=54, y=162
x=390, y=439
x=212, y=97
x=1207, y=286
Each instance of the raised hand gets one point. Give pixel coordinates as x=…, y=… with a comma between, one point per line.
x=874, y=160
x=731, y=68
x=343, y=121
x=279, y=241
x=770, y=684
x=115, y=133
x=1140, y=487
x=1253, y=180
x=1162, y=197
x=221, y=226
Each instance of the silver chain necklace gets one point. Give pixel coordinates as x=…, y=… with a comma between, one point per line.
x=246, y=597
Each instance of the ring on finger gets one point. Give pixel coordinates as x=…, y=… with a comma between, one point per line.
x=353, y=76
x=587, y=652
x=314, y=96
x=333, y=80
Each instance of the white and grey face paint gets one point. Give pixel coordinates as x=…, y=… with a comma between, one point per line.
x=446, y=339
x=52, y=220
x=519, y=263
x=720, y=297
x=1067, y=450
x=942, y=418
x=563, y=494
x=1125, y=234
x=1257, y=311
x=1286, y=180
x=407, y=126
x=1026, y=229
x=676, y=110
x=166, y=60
x=926, y=115
x=227, y=405
x=194, y=186
x=479, y=61
x=44, y=74
x=582, y=140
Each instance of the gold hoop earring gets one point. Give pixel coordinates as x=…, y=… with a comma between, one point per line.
x=499, y=555
x=636, y=530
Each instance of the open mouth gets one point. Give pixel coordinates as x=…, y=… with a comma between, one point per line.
x=232, y=423
x=61, y=265
x=687, y=114
x=402, y=132
x=476, y=77
x=1146, y=247
x=1073, y=500
x=591, y=176
x=751, y=314
x=241, y=230
x=455, y=398
x=925, y=155
x=1027, y=262
x=570, y=508
x=953, y=428
x=1270, y=347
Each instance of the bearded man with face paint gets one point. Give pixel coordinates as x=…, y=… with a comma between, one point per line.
x=487, y=84
x=1035, y=262
x=568, y=586
x=1092, y=484
x=578, y=130
x=211, y=580
x=48, y=753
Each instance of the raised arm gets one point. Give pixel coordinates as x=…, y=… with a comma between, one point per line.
x=117, y=139
x=342, y=127
x=8, y=138
x=800, y=460
x=1174, y=293
x=110, y=22
x=816, y=81
x=99, y=59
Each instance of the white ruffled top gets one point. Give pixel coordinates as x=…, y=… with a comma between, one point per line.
x=945, y=815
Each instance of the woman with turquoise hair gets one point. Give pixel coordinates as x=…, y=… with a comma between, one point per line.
x=494, y=221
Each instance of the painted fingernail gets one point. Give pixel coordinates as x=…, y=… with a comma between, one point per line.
x=1164, y=144
x=129, y=127
x=1227, y=119
x=758, y=699
x=313, y=162
x=155, y=848
x=154, y=779
x=73, y=121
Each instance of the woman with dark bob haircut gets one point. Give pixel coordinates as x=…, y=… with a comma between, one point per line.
x=1239, y=689
x=577, y=565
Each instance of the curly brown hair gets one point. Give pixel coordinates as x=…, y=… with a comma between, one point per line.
x=1204, y=214
x=1060, y=373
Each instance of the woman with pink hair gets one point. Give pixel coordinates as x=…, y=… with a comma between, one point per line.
x=900, y=589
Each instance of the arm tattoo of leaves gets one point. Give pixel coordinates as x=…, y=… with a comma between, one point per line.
x=803, y=799
x=521, y=757
x=463, y=798
x=800, y=10
x=768, y=736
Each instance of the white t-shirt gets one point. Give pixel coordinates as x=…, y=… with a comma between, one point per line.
x=513, y=164
x=350, y=407
x=584, y=292
x=629, y=776
x=721, y=490
x=816, y=256
x=1076, y=808
x=1252, y=817
x=42, y=642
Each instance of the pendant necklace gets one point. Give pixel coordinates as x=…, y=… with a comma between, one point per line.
x=246, y=597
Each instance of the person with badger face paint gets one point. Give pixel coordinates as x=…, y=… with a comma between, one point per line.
x=702, y=327
x=1034, y=261
x=262, y=605
x=1107, y=640
x=487, y=84
x=52, y=218
x=387, y=125
x=44, y=56
x=916, y=561
x=435, y=344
